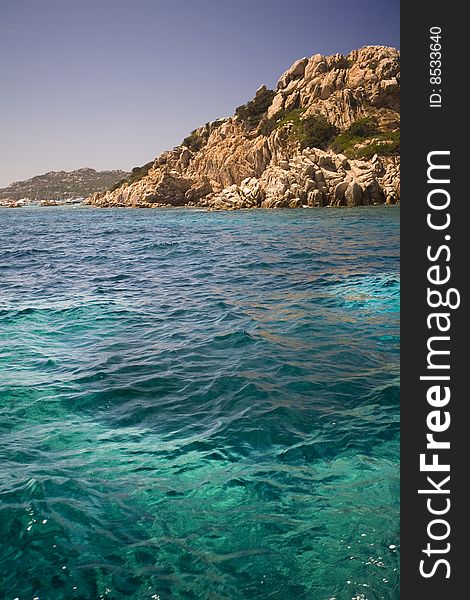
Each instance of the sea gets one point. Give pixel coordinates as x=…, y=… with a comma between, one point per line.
x=199, y=405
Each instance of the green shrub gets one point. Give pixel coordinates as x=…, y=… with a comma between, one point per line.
x=356, y=133
x=363, y=127
x=384, y=144
x=294, y=117
x=137, y=174
x=253, y=111
x=315, y=131
x=266, y=126
x=197, y=139
x=365, y=132
x=194, y=141
x=344, y=143
x=312, y=131
x=117, y=184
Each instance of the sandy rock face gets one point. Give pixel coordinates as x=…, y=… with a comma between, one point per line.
x=232, y=166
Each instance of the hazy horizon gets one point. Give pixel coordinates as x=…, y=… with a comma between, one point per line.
x=111, y=84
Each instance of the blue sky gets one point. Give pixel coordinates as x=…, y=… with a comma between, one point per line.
x=109, y=84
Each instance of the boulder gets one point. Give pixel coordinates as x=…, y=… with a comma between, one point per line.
x=353, y=194
x=295, y=71
x=339, y=192
x=276, y=105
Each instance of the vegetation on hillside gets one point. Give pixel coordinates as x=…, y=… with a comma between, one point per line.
x=62, y=185
x=310, y=131
x=136, y=174
x=252, y=113
x=314, y=131
x=197, y=139
x=363, y=139
x=194, y=141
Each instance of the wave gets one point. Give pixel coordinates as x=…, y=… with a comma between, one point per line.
x=186, y=395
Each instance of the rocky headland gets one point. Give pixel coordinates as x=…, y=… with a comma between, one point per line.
x=327, y=136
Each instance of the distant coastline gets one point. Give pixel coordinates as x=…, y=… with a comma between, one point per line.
x=57, y=188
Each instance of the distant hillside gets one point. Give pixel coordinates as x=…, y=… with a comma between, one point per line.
x=63, y=185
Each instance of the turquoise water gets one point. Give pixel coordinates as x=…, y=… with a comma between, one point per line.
x=199, y=405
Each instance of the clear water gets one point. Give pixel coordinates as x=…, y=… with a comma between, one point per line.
x=199, y=405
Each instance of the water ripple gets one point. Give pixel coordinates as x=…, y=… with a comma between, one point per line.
x=199, y=405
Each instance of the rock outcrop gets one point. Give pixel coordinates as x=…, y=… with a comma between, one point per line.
x=263, y=161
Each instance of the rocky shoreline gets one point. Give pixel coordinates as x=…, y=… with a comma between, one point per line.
x=263, y=158
x=312, y=178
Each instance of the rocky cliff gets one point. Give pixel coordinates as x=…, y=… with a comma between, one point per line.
x=327, y=136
